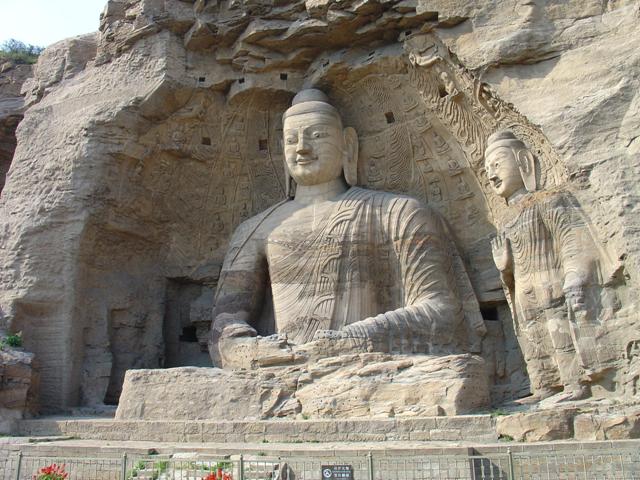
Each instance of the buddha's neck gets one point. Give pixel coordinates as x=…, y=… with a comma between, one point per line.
x=308, y=194
x=517, y=196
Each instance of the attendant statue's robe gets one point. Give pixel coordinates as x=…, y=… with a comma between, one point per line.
x=549, y=240
x=377, y=267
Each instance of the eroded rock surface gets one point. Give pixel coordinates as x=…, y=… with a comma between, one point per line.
x=540, y=426
x=364, y=385
x=12, y=76
x=133, y=168
x=18, y=386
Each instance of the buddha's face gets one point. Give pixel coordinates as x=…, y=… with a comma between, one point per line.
x=503, y=172
x=314, y=147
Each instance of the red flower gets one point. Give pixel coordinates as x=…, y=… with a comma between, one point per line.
x=51, y=472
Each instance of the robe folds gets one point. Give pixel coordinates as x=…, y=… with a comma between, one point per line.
x=374, y=265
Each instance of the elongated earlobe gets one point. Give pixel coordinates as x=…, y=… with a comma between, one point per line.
x=527, y=166
x=350, y=156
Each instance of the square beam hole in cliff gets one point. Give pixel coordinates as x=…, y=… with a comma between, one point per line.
x=188, y=334
x=284, y=76
x=206, y=141
x=241, y=80
x=263, y=145
x=489, y=314
x=201, y=79
x=390, y=118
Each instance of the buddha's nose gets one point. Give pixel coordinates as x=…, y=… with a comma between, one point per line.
x=303, y=145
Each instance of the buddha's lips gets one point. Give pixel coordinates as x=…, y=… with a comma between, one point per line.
x=496, y=183
x=305, y=160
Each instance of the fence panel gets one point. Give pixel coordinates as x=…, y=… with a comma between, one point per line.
x=77, y=468
x=555, y=465
x=588, y=465
x=168, y=468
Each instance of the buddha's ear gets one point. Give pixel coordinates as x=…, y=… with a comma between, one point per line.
x=527, y=166
x=350, y=157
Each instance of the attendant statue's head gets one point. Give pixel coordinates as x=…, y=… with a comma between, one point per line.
x=509, y=164
x=317, y=148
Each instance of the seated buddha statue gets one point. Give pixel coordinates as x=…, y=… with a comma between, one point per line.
x=336, y=268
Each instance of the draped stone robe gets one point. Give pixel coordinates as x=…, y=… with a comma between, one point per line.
x=549, y=240
x=372, y=265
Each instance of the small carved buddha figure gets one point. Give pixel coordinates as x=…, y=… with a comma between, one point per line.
x=548, y=265
x=336, y=269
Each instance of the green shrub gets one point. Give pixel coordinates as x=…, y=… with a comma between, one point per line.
x=19, y=52
x=14, y=341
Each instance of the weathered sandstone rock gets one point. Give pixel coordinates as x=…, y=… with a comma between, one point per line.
x=133, y=168
x=607, y=426
x=18, y=386
x=12, y=76
x=365, y=385
x=537, y=426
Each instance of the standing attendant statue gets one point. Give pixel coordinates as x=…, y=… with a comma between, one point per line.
x=548, y=262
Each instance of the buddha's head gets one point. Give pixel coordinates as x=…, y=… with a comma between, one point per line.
x=509, y=164
x=317, y=148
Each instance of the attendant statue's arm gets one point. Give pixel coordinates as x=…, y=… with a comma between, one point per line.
x=432, y=310
x=574, y=245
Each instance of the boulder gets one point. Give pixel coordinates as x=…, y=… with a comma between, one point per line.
x=540, y=426
x=347, y=386
x=607, y=426
x=17, y=386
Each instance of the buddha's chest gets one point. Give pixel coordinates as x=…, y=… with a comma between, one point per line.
x=314, y=229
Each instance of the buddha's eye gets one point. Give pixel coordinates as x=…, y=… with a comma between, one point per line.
x=318, y=134
x=291, y=140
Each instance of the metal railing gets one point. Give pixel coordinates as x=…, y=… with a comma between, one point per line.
x=548, y=465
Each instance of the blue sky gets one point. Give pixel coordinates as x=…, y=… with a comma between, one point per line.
x=43, y=22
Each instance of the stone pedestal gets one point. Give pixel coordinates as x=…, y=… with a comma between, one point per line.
x=347, y=386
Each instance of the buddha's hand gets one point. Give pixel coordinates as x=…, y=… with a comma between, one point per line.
x=233, y=340
x=274, y=350
x=330, y=335
x=242, y=348
x=324, y=344
x=235, y=324
x=501, y=251
x=338, y=342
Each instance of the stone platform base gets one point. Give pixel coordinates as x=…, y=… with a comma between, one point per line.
x=470, y=428
x=586, y=423
x=347, y=386
x=69, y=448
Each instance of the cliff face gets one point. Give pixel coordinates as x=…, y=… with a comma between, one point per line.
x=12, y=76
x=146, y=144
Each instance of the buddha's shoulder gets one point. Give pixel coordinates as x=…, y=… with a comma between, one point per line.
x=258, y=225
